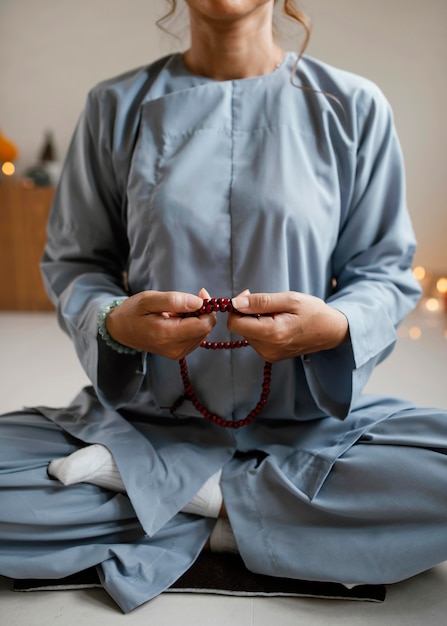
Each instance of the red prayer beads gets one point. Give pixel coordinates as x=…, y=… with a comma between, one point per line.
x=213, y=305
x=220, y=305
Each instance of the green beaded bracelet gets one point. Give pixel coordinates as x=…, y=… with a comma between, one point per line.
x=102, y=330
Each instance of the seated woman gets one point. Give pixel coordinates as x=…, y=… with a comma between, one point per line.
x=230, y=251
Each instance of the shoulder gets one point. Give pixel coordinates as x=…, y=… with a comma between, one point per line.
x=112, y=110
x=354, y=98
x=126, y=90
x=344, y=85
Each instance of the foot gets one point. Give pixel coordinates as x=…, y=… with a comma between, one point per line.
x=92, y=464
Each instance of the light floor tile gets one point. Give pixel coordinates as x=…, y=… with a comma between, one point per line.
x=420, y=601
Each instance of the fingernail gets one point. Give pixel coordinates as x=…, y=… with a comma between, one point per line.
x=191, y=302
x=240, y=303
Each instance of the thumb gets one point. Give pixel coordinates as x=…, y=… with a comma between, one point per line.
x=203, y=293
x=241, y=302
x=243, y=293
x=258, y=303
x=169, y=302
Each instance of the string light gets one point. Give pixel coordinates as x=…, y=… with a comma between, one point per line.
x=8, y=168
x=441, y=285
x=432, y=305
x=419, y=272
x=415, y=333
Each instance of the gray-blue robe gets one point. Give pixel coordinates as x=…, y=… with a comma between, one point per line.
x=180, y=182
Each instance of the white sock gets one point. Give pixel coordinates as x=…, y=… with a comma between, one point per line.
x=208, y=500
x=222, y=538
x=95, y=464
x=92, y=464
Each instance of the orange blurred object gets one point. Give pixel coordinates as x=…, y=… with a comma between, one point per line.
x=8, y=150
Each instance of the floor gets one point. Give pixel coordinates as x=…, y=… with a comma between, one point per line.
x=33, y=349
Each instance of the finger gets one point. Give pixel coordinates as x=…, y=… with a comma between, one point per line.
x=203, y=293
x=172, y=333
x=243, y=293
x=251, y=326
x=266, y=303
x=170, y=302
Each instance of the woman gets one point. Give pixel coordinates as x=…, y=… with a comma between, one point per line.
x=243, y=172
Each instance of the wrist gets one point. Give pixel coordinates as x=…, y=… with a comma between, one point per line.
x=103, y=331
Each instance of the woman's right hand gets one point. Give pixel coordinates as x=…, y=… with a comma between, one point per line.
x=152, y=321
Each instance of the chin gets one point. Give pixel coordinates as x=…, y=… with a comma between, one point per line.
x=226, y=9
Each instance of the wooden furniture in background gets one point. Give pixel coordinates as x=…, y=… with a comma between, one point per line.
x=23, y=217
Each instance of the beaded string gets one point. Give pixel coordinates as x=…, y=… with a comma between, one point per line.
x=220, y=305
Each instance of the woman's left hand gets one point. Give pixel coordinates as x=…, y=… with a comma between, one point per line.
x=288, y=324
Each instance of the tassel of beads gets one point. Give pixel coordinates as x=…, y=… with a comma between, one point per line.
x=220, y=305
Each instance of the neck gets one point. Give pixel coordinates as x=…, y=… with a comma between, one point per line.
x=232, y=49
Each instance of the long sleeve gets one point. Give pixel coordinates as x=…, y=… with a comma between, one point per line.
x=371, y=264
x=86, y=254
